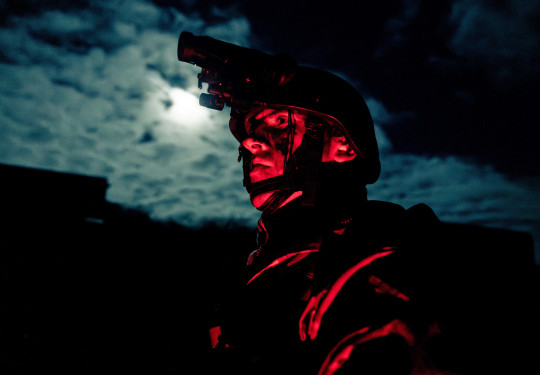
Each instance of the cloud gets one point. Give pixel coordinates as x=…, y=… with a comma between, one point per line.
x=97, y=91
x=459, y=191
x=502, y=36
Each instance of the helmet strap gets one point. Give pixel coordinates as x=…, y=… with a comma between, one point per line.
x=313, y=143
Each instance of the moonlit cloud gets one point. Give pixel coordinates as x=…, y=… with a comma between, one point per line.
x=501, y=36
x=99, y=91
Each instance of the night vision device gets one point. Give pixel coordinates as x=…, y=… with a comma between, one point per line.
x=236, y=76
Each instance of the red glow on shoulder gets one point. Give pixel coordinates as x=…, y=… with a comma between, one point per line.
x=261, y=231
x=395, y=327
x=214, y=333
x=340, y=359
x=340, y=353
x=308, y=324
x=310, y=321
x=384, y=288
x=252, y=256
x=344, y=348
x=299, y=254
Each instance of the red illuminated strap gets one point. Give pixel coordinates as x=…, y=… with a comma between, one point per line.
x=343, y=350
x=383, y=288
x=340, y=353
x=310, y=321
x=301, y=254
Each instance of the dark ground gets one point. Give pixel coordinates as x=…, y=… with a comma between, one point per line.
x=90, y=287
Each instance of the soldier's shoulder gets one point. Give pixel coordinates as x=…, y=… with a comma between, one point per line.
x=388, y=210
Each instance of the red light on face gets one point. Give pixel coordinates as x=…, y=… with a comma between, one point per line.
x=267, y=139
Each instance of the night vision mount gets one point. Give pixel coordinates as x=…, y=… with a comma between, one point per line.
x=237, y=76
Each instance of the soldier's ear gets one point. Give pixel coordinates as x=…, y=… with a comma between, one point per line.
x=340, y=151
x=344, y=155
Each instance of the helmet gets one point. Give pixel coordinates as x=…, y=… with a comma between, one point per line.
x=328, y=97
x=244, y=79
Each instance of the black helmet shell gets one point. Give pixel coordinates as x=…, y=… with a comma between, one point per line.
x=332, y=98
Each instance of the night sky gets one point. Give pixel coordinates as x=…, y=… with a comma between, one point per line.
x=94, y=87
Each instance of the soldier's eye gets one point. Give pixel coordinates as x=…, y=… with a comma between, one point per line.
x=281, y=121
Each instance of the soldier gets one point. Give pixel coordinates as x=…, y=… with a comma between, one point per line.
x=338, y=283
x=315, y=288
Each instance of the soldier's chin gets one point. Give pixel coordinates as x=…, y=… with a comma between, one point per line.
x=258, y=200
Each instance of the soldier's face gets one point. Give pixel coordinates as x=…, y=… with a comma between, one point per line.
x=268, y=141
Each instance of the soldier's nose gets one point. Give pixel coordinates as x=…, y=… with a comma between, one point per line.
x=254, y=145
